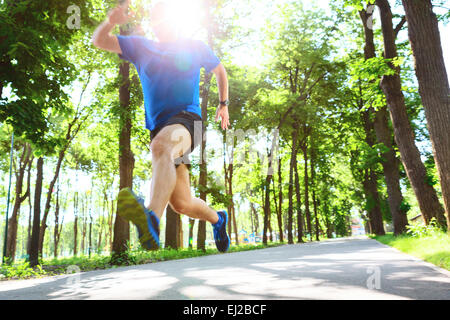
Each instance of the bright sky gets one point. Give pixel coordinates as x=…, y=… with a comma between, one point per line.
x=250, y=52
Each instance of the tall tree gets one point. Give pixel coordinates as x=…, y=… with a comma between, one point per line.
x=292, y=165
x=434, y=88
x=209, y=22
x=383, y=133
x=30, y=164
x=73, y=129
x=58, y=226
x=203, y=179
x=126, y=157
x=75, y=222
x=300, y=218
x=404, y=134
x=313, y=189
x=173, y=226
x=34, y=247
x=304, y=147
x=280, y=200
x=19, y=198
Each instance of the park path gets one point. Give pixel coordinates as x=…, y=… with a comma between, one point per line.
x=349, y=268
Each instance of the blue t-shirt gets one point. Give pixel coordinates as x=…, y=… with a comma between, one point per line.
x=169, y=74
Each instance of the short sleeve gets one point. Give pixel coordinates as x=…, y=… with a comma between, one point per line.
x=208, y=59
x=129, y=45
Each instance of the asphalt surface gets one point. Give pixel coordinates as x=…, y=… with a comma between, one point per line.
x=351, y=268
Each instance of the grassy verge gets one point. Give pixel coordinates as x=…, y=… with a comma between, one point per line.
x=51, y=267
x=433, y=248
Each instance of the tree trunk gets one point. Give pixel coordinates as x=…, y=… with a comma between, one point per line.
x=384, y=136
x=34, y=247
x=307, y=211
x=90, y=232
x=292, y=164
x=75, y=224
x=72, y=130
x=172, y=228
x=203, y=178
x=299, y=204
x=373, y=202
x=270, y=226
x=267, y=197
x=404, y=134
x=126, y=160
x=48, y=202
x=100, y=235
x=204, y=95
x=313, y=189
x=280, y=201
x=83, y=226
x=180, y=232
x=229, y=187
x=255, y=224
x=230, y=192
x=19, y=198
x=391, y=172
x=326, y=212
x=30, y=164
x=227, y=173
x=56, y=228
x=191, y=233
x=370, y=182
x=434, y=89
x=110, y=225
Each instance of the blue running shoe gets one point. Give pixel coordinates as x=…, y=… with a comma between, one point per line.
x=220, y=232
x=132, y=208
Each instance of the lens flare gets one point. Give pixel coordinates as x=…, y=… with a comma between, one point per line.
x=186, y=16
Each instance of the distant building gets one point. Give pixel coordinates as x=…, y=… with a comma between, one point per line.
x=357, y=227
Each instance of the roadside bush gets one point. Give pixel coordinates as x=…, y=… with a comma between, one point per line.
x=420, y=230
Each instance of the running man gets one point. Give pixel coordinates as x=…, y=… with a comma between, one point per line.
x=169, y=70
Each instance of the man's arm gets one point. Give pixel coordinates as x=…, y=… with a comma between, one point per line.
x=102, y=38
x=222, y=83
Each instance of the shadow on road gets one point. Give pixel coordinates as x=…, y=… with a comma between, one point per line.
x=338, y=269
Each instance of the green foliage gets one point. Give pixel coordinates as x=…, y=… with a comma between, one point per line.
x=20, y=271
x=405, y=206
x=34, y=65
x=420, y=230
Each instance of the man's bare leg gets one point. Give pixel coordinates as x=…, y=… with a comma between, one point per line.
x=182, y=201
x=170, y=143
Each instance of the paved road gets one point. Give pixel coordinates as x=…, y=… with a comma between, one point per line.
x=337, y=269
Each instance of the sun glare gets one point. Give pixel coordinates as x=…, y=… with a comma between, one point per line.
x=186, y=16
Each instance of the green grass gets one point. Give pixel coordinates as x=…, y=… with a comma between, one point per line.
x=50, y=267
x=432, y=247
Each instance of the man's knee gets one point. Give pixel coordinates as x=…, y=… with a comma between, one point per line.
x=160, y=148
x=181, y=206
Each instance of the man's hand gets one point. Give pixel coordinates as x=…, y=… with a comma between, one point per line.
x=119, y=15
x=222, y=112
x=102, y=37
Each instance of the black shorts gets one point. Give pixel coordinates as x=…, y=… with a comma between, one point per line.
x=193, y=123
